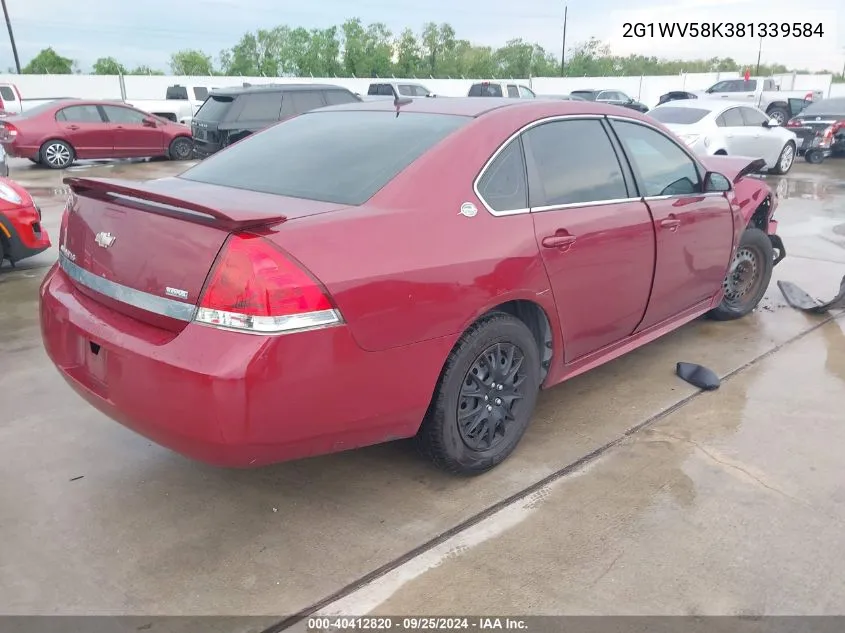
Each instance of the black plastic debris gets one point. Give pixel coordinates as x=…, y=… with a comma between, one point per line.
x=800, y=300
x=698, y=376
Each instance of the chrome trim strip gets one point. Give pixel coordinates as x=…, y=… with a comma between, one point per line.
x=709, y=194
x=500, y=149
x=124, y=294
x=576, y=205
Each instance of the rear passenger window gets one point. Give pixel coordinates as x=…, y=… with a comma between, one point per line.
x=7, y=93
x=300, y=101
x=338, y=97
x=590, y=173
x=731, y=118
x=80, y=114
x=261, y=106
x=665, y=169
x=503, y=186
x=513, y=92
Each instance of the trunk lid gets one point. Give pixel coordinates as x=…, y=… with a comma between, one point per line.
x=145, y=248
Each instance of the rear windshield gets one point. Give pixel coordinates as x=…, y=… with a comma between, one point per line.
x=343, y=157
x=826, y=106
x=485, y=90
x=176, y=93
x=587, y=95
x=214, y=108
x=36, y=110
x=681, y=116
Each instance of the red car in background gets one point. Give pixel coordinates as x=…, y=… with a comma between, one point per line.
x=21, y=235
x=380, y=270
x=55, y=134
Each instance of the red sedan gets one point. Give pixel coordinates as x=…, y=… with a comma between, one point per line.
x=21, y=234
x=55, y=134
x=374, y=271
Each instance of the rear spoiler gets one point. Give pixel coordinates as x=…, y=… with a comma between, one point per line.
x=140, y=192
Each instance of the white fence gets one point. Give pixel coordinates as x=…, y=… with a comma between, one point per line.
x=647, y=89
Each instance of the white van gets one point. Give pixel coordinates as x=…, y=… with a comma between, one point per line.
x=10, y=99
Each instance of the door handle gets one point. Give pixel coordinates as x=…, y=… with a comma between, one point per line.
x=672, y=223
x=73, y=127
x=118, y=127
x=561, y=241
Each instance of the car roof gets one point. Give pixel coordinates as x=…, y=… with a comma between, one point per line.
x=476, y=107
x=711, y=105
x=239, y=90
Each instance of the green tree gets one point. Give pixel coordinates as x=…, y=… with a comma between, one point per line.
x=48, y=61
x=407, y=54
x=191, y=62
x=144, y=70
x=108, y=66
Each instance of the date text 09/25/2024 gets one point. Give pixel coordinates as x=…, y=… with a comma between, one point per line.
x=723, y=29
x=415, y=623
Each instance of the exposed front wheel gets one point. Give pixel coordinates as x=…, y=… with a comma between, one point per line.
x=485, y=397
x=785, y=160
x=748, y=276
x=181, y=148
x=56, y=154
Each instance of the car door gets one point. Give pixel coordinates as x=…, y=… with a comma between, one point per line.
x=734, y=132
x=767, y=141
x=741, y=90
x=611, y=97
x=84, y=127
x=513, y=91
x=133, y=137
x=694, y=229
x=596, y=237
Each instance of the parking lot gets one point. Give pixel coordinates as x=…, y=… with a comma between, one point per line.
x=631, y=493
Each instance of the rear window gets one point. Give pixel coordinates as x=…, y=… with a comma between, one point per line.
x=260, y=106
x=214, y=108
x=338, y=97
x=485, y=90
x=587, y=95
x=826, y=106
x=7, y=93
x=36, y=110
x=177, y=92
x=368, y=149
x=680, y=116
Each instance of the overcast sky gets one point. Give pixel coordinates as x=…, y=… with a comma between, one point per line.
x=147, y=31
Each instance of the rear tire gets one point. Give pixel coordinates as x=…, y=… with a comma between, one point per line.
x=181, y=148
x=485, y=397
x=785, y=160
x=780, y=114
x=814, y=156
x=56, y=154
x=748, y=277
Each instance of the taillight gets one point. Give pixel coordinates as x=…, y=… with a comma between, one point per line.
x=9, y=129
x=793, y=123
x=255, y=288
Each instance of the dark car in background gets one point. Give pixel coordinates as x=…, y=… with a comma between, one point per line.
x=824, y=120
x=230, y=114
x=610, y=97
x=676, y=95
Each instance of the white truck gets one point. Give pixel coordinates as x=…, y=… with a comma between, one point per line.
x=765, y=94
x=180, y=103
x=10, y=99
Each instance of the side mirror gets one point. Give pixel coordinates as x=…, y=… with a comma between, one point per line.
x=630, y=100
x=149, y=122
x=771, y=123
x=714, y=181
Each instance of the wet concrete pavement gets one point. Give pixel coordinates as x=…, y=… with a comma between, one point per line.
x=727, y=502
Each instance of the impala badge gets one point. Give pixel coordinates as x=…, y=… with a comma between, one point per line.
x=176, y=292
x=105, y=239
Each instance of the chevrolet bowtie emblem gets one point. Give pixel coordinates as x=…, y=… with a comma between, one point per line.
x=105, y=239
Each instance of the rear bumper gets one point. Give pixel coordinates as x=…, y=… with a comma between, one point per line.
x=203, y=149
x=22, y=234
x=232, y=399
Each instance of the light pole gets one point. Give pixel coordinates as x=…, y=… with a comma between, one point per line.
x=759, y=52
x=563, y=44
x=11, y=37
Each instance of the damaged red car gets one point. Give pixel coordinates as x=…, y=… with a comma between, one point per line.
x=375, y=271
x=21, y=233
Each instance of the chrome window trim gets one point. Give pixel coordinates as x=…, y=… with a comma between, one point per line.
x=594, y=203
x=130, y=296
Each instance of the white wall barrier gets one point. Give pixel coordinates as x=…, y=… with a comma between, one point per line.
x=38, y=88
